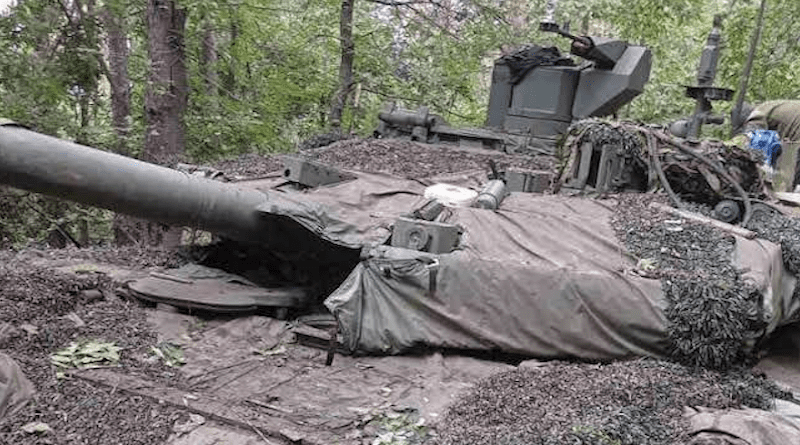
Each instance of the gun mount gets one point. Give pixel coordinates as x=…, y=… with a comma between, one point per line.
x=704, y=92
x=536, y=94
x=543, y=99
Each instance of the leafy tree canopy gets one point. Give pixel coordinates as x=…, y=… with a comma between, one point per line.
x=274, y=70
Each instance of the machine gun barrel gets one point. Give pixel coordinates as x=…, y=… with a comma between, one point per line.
x=555, y=28
x=43, y=164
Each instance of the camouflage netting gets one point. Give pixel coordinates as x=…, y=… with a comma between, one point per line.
x=601, y=133
x=322, y=140
x=690, y=177
x=714, y=316
x=770, y=224
x=127, y=256
x=249, y=165
x=524, y=59
x=415, y=160
x=397, y=157
x=27, y=292
x=695, y=181
x=779, y=229
x=783, y=230
x=625, y=403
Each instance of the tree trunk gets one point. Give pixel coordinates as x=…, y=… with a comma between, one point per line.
x=81, y=19
x=83, y=113
x=518, y=17
x=208, y=58
x=117, y=44
x=208, y=70
x=346, y=64
x=230, y=73
x=166, y=94
x=748, y=66
x=119, y=80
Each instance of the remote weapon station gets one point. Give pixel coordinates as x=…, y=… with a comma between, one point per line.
x=536, y=94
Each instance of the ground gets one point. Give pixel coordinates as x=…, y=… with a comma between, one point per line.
x=189, y=378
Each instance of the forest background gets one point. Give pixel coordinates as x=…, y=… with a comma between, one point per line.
x=197, y=81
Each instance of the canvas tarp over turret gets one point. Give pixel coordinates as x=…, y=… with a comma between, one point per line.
x=545, y=276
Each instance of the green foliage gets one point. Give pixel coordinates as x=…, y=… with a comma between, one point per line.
x=275, y=73
x=400, y=429
x=169, y=353
x=271, y=82
x=30, y=93
x=675, y=31
x=775, y=66
x=29, y=217
x=85, y=355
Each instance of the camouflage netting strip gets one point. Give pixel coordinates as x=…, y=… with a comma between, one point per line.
x=393, y=156
x=416, y=160
x=626, y=403
x=780, y=229
x=714, y=316
x=601, y=133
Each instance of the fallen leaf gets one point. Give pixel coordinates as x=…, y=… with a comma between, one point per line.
x=73, y=317
x=195, y=420
x=274, y=351
x=36, y=428
x=29, y=328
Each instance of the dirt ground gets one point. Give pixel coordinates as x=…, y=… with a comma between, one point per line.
x=245, y=379
x=193, y=378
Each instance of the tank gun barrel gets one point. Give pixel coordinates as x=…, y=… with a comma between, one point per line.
x=43, y=164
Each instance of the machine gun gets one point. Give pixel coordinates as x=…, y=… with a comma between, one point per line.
x=704, y=92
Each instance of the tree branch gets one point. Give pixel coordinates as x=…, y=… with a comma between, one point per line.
x=404, y=2
x=431, y=21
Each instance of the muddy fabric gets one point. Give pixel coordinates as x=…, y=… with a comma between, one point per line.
x=255, y=359
x=15, y=388
x=741, y=427
x=761, y=264
x=540, y=278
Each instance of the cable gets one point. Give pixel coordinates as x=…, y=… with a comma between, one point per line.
x=748, y=208
x=651, y=146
